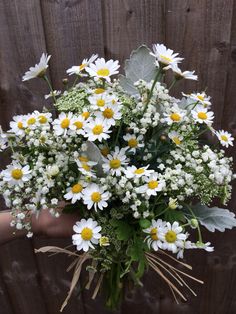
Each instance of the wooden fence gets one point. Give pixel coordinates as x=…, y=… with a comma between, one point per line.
x=204, y=32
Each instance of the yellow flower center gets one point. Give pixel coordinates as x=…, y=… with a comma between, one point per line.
x=86, y=234
x=200, y=97
x=20, y=125
x=82, y=66
x=77, y=188
x=65, y=123
x=105, y=151
x=115, y=163
x=165, y=59
x=31, y=121
x=132, y=143
x=78, y=124
x=175, y=117
x=176, y=140
x=96, y=197
x=42, y=119
x=113, y=101
x=103, y=72
x=202, y=115
x=86, y=167
x=139, y=171
x=100, y=102
x=224, y=138
x=170, y=236
x=152, y=184
x=98, y=129
x=153, y=234
x=83, y=159
x=108, y=113
x=17, y=174
x=85, y=115
x=99, y=91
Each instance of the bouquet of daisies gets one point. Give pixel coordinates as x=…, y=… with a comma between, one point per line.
x=131, y=159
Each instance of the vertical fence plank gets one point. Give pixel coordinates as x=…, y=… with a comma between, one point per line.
x=6, y=307
x=20, y=276
x=73, y=32
x=128, y=24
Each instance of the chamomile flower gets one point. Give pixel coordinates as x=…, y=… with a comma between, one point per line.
x=87, y=233
x=74, y=193
x=86, y=167
x=39, y=69
x=99, y=101
x=43, y=118
x=77, y=69
x=175, y=137
x=205, y=246
x=3, y=140
x=79, y=123
x=173, y=237
x=155, y=232
x=97, y=129
x=133, y=142
x=110, y=114
x=152, y=185
x=64, y=123
x=18, y=125
x=187, y=75
x=95, y=196
x=201, y=115
x=174, y=115
x=31, y=120
x=225, y=138
x=165, y=56
x=15, y=174
x=103, y=69
x=53, y=94
x=200, y=98
x=115, y=162
x=134, y=172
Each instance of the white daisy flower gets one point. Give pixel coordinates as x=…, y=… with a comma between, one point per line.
x=133, y=172
x=98, y=91
x=173, y=238
x=79, y=123
x=165, y=56
x=87, y=234
x=3, y=140
x=18, y=125
x=31, y=120
x=64, y=123
x=187, y=75
x=175, y=137
x=205, y=246
x=103, y=69
x=201, y=98
x=94, y=195
x=133, y=141
x=39, y=69
x=225, y=138
x=175, y=115
x=43, y=118
x=53, y=94
x=100, y=101
x=97, y=129
x=86, y=167
x=115, y=162
x=85, y=114
x=152, y=185
x=110, y=114
x=15, y=174
x=201, y=115
x=155, y=232
x=77, y=69
x=74, y=193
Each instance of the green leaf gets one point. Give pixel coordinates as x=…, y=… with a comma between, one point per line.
x=174, y=215
x=214, y=218
x=141, y=65
x=122, y=229
x=144, y=223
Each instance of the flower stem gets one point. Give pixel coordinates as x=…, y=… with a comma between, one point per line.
x=172, y=84
x=50, y=87
x=198, y=228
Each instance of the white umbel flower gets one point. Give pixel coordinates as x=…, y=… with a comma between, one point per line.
x=95, y=196
x=201, y=115
x=152, y=185
x=115, y=162
x=165, y=56
x=39, y=69
x=173, y=238
x=77, y=69
x=103, y=69
x=155, y=233
x=87, y=234
x=15, y=174
x=226, y=139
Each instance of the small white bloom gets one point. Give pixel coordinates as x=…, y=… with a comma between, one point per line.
x=174, y=115
x=110, y=114
x=173, y=238
x=201, y=115
x=85, y=166
x=77, y=69
x=74, y=193
x=175, y=137
x=115, y=162
x=53, y=94
x=152, y=185
x=87, y=234
x=225, y=138
x=100, y=101
x=52, y=170
x=64, y=123
x=97, y=129
x=132, y=172
x=94, y=195
x=38, y=70
x=133, y=141
x=103, y=69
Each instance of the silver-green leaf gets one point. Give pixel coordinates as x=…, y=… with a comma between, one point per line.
x=214, y=218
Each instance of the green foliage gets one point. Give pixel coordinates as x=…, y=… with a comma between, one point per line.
x=123, y=230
